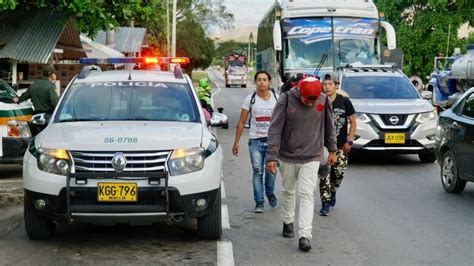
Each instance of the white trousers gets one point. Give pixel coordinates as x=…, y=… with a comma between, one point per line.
x=306, y=176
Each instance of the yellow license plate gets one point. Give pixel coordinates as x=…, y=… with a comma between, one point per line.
x=394, y=138
x=117, y=192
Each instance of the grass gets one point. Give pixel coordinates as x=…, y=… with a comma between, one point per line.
x=197, y=75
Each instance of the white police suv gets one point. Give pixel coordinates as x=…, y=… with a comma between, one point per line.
x=124, y=147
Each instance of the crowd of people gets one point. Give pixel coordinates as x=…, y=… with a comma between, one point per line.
x=306, y=133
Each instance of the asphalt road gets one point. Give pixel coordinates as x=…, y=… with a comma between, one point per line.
x=390, y=210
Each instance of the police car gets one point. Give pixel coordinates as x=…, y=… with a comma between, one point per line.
x=124, y=147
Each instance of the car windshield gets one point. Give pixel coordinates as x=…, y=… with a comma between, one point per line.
x=370, y=87
x=137, y=100
x=6, y=92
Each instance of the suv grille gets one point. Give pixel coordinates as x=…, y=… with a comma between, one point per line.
x=136, y=162
x=393, y=120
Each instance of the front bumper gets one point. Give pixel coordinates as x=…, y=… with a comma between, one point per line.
x=13, y=149
x=150, y=207
x=419, y=138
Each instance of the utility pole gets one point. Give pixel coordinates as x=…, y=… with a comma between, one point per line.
x=168, y=35
x=173, y=48
x=249, y=52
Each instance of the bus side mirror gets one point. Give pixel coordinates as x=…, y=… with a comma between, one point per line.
x=277, y=40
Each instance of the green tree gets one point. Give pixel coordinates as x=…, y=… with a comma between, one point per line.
x=422, y=28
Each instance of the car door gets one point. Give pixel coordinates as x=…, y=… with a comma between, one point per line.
x=462, y=129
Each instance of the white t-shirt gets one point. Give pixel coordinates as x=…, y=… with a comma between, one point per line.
x=261, y=114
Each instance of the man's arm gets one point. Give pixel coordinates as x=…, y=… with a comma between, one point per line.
x=329, y=129
x=25, y=96
x=53, y=97
x=276, y=128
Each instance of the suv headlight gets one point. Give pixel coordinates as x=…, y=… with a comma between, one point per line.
x=184, y=161
x=426, y=117
x=53, y=161
x=362, y=118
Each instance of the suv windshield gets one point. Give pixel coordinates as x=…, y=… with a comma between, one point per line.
x=6, y=92
x=370, y=87
x=137, y=100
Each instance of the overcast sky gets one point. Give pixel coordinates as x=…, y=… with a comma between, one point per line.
x=247, y=12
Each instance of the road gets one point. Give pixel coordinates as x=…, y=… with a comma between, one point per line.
x=390, y=210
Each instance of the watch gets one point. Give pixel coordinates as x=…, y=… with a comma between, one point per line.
x=350, y=142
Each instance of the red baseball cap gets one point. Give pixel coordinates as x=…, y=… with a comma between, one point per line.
x=310, y=88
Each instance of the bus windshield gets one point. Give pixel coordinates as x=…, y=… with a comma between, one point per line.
x=308, y=41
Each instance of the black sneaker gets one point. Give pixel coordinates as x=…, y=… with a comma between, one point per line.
x=288, y=230
x=324, y=209
x=258, y=208
x=333, y=199
x=304, y=244
x=272, y=201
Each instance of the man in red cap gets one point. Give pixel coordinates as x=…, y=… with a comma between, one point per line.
x=302, y=124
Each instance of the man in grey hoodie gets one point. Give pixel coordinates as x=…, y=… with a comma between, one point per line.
x=302, y=123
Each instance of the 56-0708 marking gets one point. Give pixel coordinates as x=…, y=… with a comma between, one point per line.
x=120, y=140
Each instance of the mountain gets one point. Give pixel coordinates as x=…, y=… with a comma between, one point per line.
x=240, y=34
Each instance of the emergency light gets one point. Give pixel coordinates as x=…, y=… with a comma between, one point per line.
x=135, y=60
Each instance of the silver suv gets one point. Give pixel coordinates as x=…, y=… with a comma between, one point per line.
x=391, y=115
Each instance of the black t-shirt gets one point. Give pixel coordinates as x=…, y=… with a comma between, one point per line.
x=342, y=109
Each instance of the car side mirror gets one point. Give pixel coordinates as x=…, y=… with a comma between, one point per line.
x=427, y=95
x=39, y=119
x=219, y=120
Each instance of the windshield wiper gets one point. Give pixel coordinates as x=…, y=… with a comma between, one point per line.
x=78, y=120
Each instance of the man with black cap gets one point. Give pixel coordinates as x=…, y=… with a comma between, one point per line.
x=42, y=92
x=302, y=124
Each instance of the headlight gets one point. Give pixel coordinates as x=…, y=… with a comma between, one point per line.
x=53, y=161
x=18, y=129
x=426, y=117
x=186, y=161
x=362, y=118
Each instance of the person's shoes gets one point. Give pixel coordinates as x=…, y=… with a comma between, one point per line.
x=258, y=208
x=272, y=201
x=304, y=244
x=324, y=209
x=288, y=230
x=333, y=199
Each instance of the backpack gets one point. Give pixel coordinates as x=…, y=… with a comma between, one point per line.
x=291, y=82
x=252, y=102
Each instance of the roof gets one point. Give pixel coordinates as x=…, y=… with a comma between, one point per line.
x=34, y=36
x=137, y=75
x=97, y=50
x=126, y=39
x=339, y=8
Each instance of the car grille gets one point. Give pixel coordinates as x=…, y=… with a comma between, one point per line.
x=400, y=118
x=137, y=162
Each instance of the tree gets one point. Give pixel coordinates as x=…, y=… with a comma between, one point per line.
x=422, y=28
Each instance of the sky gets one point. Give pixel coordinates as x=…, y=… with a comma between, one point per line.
x=247, y=12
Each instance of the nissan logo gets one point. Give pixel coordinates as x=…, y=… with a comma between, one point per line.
x=394, y=120
x=119, y=162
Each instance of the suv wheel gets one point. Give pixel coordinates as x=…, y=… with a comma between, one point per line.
x=427, y=157
x=210, y=226
x=449, y=174
x=37, y=227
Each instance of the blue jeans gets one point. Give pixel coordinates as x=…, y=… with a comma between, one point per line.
x=258, y=154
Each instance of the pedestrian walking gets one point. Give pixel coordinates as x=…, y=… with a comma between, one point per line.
x=344, y=115
x=259, y=106
x=302, y=124
x=42, y=92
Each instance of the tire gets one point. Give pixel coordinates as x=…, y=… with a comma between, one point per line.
x=243, y=86
x=450, y=179
x=37, y=227
x=427, y=157
x=210, y=226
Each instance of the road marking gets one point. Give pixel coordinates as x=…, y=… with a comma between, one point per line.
x=225, y=217
x=225, y=253
x=218, y=88
x=222, y=190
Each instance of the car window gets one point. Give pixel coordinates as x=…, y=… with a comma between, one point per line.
x=387, y=87
x=468, y=109
x=6, y=92
x=128, y=101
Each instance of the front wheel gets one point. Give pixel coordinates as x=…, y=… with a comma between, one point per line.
x=450, y=176
x=427, y=157
x=210, y=226
x=37, y=227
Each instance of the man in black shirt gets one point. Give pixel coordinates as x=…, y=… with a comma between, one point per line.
x=344, y=114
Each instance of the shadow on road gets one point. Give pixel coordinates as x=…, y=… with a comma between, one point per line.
x=379, y=158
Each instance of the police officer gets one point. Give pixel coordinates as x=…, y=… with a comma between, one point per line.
x=42, y=92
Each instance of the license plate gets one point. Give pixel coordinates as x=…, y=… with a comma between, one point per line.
x=117, y=192
x=394, y=138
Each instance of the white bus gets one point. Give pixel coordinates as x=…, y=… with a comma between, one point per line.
x=297, y=35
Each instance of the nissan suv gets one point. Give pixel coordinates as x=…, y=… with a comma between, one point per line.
x=124, y=147
x=391, y=115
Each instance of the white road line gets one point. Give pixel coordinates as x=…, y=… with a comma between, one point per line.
x=225, y=217
x=222, y=190
x=225, y=253
x=218, y=88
